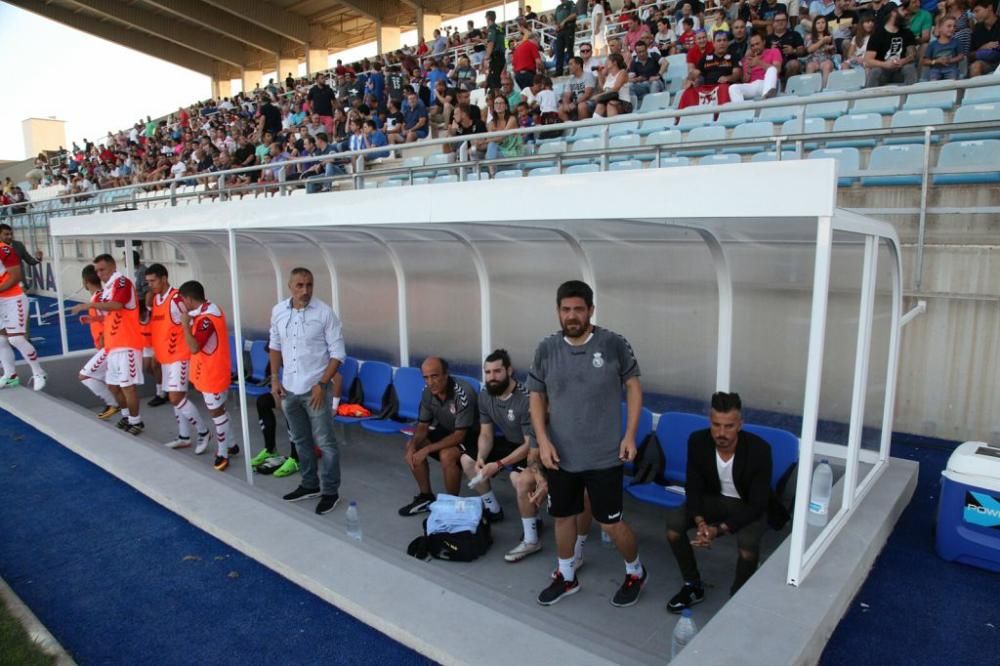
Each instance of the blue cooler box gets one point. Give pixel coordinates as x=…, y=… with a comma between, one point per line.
x=968, y=528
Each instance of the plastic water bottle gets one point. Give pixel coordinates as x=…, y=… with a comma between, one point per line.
x=819, y=495
x=353, y=521
x=606, y=540
x=684, y=631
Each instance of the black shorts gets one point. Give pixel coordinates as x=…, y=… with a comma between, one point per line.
x=604, y=486
x=435, y=435
x=502, y=448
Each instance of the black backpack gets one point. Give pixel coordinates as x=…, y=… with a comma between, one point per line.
x=455, y=547
x=649, y=462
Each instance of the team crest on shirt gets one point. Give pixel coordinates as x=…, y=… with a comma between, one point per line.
x=598, y=360
x=510, y=414
x=451, y=408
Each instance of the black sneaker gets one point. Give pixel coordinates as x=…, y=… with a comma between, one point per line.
x=689, y=595
x=327, y=503
x=493, y=517
x=628, y=593
x=157, y=401
x=122, y=423
x=135, y=428
x=421, y=504
x=558, y=589
x=301, y=493
x=234, y=450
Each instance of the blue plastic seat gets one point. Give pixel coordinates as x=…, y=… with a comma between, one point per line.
x=856, y=122
x=784, y=449
x=937, y=99
x=258, y=383
x=720, y=158
x=409, y=385
x=511, y=173
x=677, y=69
x=731, y=119
x=845, y=80
x=655, y=102
x=543, y=171
x=630, y=141
x=583, y=168
x=827, y=110
x=440, y=159
x=695, y=120
x=674, y=161
x=473, y=382
x=625, y=165
x=656, y=125
x=895, y=158
x=450, y=178
x=803, y=85
x=885, y=105
x=772, y=156
x=984, y=154
x=986, y=94
x=848, y=163
x=715, y=133
x=623, y=129
x=915, y=118
x=348, y=373
x=232, y=354
x=643, y=430
x=580, y=133
x=580, y=146
x=750, y=131
x=549, y=148
x=409, y=162
x=977, y=113
x=810, y=126
x=672, y=433
x=375, y=377
x=664, y=138
x=778, y=114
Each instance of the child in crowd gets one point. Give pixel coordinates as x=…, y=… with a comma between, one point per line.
x=942, y=56
x=687, y=38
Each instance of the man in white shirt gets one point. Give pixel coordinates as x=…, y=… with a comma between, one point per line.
x=308, y=342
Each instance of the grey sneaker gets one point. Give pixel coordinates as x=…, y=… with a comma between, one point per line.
x=521, y=551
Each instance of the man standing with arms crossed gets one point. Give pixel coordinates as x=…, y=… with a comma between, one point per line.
x=576, y=384
x=122, y=340
x=308, y=342
x=174, y=356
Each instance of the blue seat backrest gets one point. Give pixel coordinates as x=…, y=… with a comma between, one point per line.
x=258, y=361
x=375, y=378
x=409, y=385
x=348, y=373
x=232, y=353
x=474, y=383
x=673, y=431
x=784, y=449
x=645, y=423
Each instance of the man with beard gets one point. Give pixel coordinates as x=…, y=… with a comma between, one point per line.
x=504, y=404
x=576, y=383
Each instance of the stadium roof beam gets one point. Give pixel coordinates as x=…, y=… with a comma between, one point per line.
x=221, y=22
x=267, y=16
x=214, y=46
x=118, y=34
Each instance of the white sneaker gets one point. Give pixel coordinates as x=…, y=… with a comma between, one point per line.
x=203, y=441
x=521, y=551
x=38, y=381
x=179, y=443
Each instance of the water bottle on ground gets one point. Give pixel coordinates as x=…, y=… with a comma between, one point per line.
x=684, y=631
x=819, y=494
x=353, y=521
x=606, y=540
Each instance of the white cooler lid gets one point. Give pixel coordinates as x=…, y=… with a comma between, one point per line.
x=975, y=464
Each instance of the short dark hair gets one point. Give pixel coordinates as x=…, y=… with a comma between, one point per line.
x=6, y=227
x=159, y=270
x=988, y=4
x=89, y=274
x=575, y=289
x=192, y=289
x=499, y=355
x=578, y=60
x=321, y=136
x=726, y=402
x=106, y=258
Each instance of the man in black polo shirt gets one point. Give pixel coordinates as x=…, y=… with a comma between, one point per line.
x=321, y=98
x=789, y=42
x=576, y=383
x=728, y=492
x=645, y=71
x=709, y=83
x=447, y=426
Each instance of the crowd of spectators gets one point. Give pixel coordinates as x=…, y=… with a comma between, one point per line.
x=609, y=58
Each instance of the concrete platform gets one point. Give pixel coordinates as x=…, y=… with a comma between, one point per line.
x=472, y=613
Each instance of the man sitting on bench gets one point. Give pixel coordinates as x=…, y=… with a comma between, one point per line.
x=728, y=492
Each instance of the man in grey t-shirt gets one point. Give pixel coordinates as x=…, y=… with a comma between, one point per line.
x=576, y=384
x=575, y=103
x=447, y=426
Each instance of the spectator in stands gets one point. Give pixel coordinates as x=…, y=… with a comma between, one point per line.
x=465, y=124
x=321, y=99
x=760, y=72
x=890, y=56
x=708, y=83
x=821, y=8
x=720, y=24
x=496, y=58
x=615, y=89
x=701, y=48
x=599, y=27
x=664, y=38
x=959, y=10
x=415, y=118
x=842, y=22
x=565, y=17
x=646, y=72
x=787, y=41
x=577, y=92
x=821, y=49
x=527, y=60
x=513, y=96
x=984, y=52
x=440, y=44
x=857, y=47
x=270, y=117
x=637, y=32
x=942, y=56
x=728, y=492
x=321, y=170
x=501, y=120
x=739, y=43
x=688, y=38
x=759, y=15
x=373, y=137
x=687, y=12
x=464, y=75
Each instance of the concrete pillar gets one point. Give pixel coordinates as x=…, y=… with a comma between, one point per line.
x=317, y=60
x=387, y=37
x=287, y=66
x=427, y=24
x=221, y=87
x=251, y=79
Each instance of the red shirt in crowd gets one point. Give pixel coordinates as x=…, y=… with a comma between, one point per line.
x=525, y=56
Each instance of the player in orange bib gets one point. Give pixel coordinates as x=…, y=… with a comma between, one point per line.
x=14, y=321
x=123, y=341
x=93, y=374
x=174, y=357
x=204, y=328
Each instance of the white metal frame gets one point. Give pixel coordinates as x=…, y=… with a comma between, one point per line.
x=566, y=205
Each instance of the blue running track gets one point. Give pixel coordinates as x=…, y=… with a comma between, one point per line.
x=119, y=579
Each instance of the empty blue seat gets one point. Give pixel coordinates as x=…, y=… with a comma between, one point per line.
x=732, y=119
x=982, y=95
x=257, y=378
x=677, y=69
x=937, y=99
x=655, y=102
x=656, y=125
x=664, y=138
x=716, y=133
x=672, y=434
x=772, y=156
x=348, y=373
x=644, y=429
x=984, y=154
x=721, y=158
x=630, y=141
x=232, y=355
x=784, y=449
x=442, y=159
x=409, y=386
x=778, y=114
x=845, y=80
x=582, y=168
x=810, y=126
x=803, y=85
x=905, y=158
x=580, y=133
x=409, y=163
x=375, y=377
x=580, y=146
x=915, y=118
x=543, y=171
x=622, y=129
x=827, y=110
x=848, y=163
x=678, y=161
x=695, y=120
x=625, y=165
x=550, y=148
x=977, y=113
x=856, y=122
x=751, y=131
x=513, y=173
x=450, y=178
x=884, y=105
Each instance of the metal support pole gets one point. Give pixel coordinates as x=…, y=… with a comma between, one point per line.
x=919, y=269
x=238, y=333
x=57, y=267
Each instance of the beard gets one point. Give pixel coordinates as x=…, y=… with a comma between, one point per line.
x=574, y=328
x=498, y=388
